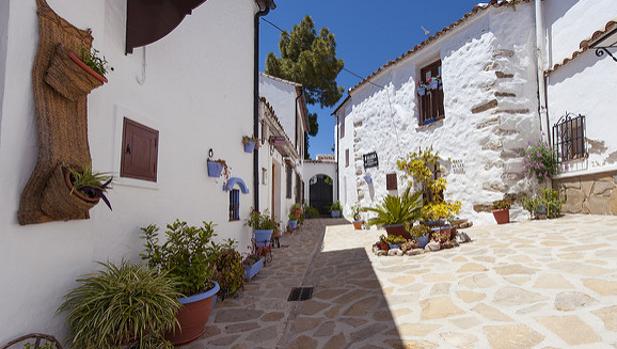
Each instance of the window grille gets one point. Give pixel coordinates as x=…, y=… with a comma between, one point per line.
x=569, y=138
x=234, y=205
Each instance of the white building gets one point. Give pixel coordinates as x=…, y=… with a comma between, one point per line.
x=487, y=110
x=195, y=86
x=283, y=124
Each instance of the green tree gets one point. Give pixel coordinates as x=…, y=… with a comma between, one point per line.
x=309, y=59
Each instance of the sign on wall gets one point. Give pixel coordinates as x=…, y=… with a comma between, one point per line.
x=371, y=160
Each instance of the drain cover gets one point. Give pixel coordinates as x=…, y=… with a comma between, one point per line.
x=299, y=294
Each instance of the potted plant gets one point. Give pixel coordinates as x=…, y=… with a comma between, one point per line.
x=249, y=143
x=421, y=234
x=295, y=214
x=335, y=210
x=395, y=241
x=218, y=167
x=383, y=243
x=397, y=211
x=501, y=211
x=421, y=90
x=263, y=226
x=71, y=191
x=358, y=222
x=188, y=256
x=253, y=263
x=545, y=204
x=229, y=268
x=101, y=311
x=74, y=75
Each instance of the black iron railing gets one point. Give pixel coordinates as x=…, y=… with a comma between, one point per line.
x=569, y=136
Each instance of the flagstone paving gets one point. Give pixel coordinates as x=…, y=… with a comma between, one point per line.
x=545, y=284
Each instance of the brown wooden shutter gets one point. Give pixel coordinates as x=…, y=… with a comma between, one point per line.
x=391, y=181
x=139, y=151
x=431, y=104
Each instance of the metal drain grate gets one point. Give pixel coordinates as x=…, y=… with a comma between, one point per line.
x=299, y=294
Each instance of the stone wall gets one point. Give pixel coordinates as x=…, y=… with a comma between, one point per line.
x=593, y=194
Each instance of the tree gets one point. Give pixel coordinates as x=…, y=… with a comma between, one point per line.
x=309, y=59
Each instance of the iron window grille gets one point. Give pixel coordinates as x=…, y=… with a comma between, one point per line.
x=569, y=134
x=234, y=205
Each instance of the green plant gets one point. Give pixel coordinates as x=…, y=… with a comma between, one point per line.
x=420, y=230
x=397, y=209
x=395, y=239
x=295, y=212
x=251, y=259
x=229, y=269
x=259, y=221
x=122, y=305
x=311, y=212
x=41, y=346
x=336, y=206
x=98, y=63
x=355, y=211
x=188, y=255
x=540, y=161
x=423, y=167
x=546, y=200
x=502, y=204
x=92, y=184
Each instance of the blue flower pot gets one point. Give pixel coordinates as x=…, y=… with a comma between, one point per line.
x=394, y=246
x=262, y=238
x=251, y=271
x=335, y=214
x=434, y=85
x=421, y=91
x=422, y=241
x=293, y=224
x=249, y=147
x=214, y=169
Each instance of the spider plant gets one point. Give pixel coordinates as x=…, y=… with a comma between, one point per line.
x=397, y=209
x=92, y=184
x=94, y=60
x=122, y=305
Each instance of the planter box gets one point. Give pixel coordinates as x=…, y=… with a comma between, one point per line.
x=502, y=216
x=397, y=230
x=252, y=270
x=263, y=238
x=193, y=316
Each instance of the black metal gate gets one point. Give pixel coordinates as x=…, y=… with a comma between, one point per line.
x=320, y=192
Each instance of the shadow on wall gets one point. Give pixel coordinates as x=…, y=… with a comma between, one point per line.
x=348, y=304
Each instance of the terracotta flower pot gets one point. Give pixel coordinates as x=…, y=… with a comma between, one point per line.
x=397, y=230
x=358, y=225
x=60, y=199
x=502, y=216
x=193, y=316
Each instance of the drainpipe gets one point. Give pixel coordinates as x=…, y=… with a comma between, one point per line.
x=540, y=54
x=296, y=127
x=262, y=12
x=336, y=149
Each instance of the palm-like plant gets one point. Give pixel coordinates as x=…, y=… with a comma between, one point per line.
x=397, y=209
x=122, y=305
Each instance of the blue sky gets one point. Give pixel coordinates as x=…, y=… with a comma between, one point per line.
x=368, y=34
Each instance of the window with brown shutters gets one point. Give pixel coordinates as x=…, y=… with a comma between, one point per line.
x=391, y=181
x=139, y=151
x=430, y=93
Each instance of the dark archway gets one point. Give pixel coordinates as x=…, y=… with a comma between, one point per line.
x=320, y=193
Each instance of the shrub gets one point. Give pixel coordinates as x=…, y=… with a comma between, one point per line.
x=259, y=221
x=188, y=255
x=311, y=212
x=336, y=206
x=121, y=305
x=397, y=209
x=540, y=161
x=229, y=269
x=546, y=200
x=420, y=230
x=502, y=204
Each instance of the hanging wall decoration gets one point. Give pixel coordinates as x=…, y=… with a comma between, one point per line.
x=61, y=83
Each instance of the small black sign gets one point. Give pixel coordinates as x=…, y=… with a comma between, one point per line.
x=371, y=160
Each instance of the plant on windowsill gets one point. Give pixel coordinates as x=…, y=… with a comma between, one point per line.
x=216, y=168
x=229, y=268
x=501, y=211
x=545, y=204
x=358, y=222
x=102, y=312
x=397, y=213
x=189, y=257
x=263, y=226
x=335, y=210
x=74, y=75
x=249, y=143
x=71, y=192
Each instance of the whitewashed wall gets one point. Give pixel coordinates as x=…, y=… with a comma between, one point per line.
x=347, y=174
x=489, y=143
x=198, y=93
x=4, y=22
x=282, y=97
x=585, y=85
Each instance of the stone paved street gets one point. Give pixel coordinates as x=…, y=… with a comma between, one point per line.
x=547, y=284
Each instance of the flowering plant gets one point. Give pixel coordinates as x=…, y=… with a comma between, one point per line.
x=540, y=161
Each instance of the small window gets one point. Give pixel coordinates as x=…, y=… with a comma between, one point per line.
x=234, y=205
x=391, y=181
x=346, y=157
x=569, y=138
x=139, y=151
x=264, y=176
x=289, y=189
x=431, y=94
